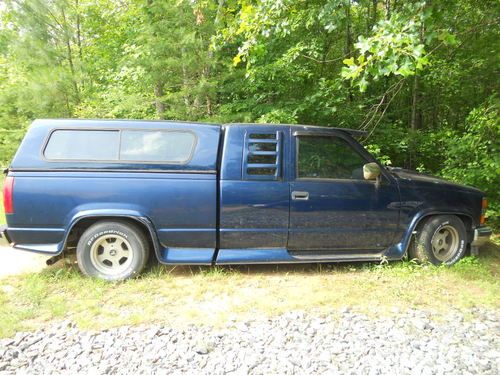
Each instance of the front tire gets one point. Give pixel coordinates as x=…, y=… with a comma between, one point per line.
x=112, y=251
x=441, y=240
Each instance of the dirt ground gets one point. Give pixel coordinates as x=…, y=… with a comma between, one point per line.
x=15, y=262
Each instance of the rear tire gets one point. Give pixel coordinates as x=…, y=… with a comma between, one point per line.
x=441, y=240
x=112, y=251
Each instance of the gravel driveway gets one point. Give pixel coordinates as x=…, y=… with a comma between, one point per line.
x=344, y=342
x=15, y=262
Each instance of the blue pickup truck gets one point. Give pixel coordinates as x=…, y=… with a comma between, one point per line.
x=192, y=193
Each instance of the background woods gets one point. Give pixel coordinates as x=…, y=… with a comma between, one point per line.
x=419, y=76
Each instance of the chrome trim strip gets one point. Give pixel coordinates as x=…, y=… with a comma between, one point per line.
x=329, y=132
x=104, y=170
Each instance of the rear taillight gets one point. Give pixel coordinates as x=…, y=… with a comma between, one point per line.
x=484, y=206
x=8, y=190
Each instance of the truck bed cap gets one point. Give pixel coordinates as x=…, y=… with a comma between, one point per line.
x=125, y=123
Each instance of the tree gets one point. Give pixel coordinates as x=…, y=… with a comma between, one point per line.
x=417, y=75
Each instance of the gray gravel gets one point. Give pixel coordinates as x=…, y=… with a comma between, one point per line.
x=343, y=342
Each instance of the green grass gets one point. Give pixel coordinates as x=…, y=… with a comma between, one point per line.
x=213, y=295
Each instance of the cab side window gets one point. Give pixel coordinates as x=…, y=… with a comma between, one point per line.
x=328, y=157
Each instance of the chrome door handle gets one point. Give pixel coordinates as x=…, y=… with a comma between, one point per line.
x=300, y=195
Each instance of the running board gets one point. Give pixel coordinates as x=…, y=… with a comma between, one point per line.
x=337, y=255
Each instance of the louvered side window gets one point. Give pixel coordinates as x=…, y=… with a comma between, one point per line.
x=262, y=156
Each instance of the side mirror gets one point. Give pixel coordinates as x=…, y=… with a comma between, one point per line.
x=371, y=171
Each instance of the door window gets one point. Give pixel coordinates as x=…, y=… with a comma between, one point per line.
x=328, y=157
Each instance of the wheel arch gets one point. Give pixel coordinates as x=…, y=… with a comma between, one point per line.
x=81, y=223
x=420, y=219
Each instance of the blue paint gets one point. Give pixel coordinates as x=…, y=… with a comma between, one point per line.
x=211, y=210
x=254, y=256
x=186, y=256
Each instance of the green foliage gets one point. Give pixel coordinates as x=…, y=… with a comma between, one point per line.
x=278, y=116
x=472, y=156
x=376, y=151
x=419, y=76
x=394, y=48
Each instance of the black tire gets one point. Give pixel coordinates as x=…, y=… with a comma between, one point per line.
x=440, y=240
x=112, y=250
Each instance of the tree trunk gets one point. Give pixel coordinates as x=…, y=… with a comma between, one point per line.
x=69, y=56
x=78, y=31
x=209, y=105
x=348, y=39
x=374, y=13
x=414, y=123
x=220, y=5
x=79, y=42
x=160, y=105
x=416, y=112
x=207, y=71
x=66, y=101
x=185, y=81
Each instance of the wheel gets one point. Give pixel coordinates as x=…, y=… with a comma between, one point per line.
x=112, y=250
x=440, y=240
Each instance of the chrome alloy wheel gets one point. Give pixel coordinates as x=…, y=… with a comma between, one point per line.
x=111, y=254
x=445, y=243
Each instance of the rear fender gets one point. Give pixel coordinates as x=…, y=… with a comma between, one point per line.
x=134, y=215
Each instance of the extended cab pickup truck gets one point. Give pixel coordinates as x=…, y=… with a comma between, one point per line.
x=193, y=193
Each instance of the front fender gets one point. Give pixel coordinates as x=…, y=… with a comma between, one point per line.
x=421, y=215
x=398, y=250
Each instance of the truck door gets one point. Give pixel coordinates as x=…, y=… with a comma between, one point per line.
x=254, y=195
x=332, y=207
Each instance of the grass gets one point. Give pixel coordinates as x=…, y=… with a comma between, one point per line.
x=213, y=295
